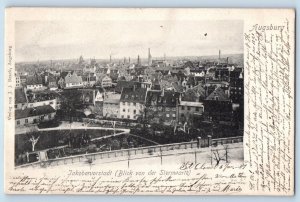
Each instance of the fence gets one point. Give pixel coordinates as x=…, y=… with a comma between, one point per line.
x=110, y=123
x=127, y=153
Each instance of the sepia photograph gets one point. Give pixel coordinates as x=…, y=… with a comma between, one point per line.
x=149, y=101
x=85, y=99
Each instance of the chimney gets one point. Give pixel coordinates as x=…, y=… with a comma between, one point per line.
x=219, y=55
x=138, y=60
x=227, y=59
x=149, y=57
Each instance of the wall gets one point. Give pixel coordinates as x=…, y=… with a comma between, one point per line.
x=127, y=110
x=52, y=103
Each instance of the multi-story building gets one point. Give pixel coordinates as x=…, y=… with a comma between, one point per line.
x=72, y=80
x=18, y=80
x=132, y=103
x=105, y=81
x=34, y=115
x=236, y=89
x=188, y=110
x=37, y=99
x=35, y=83
x=89, y=79
x=218, y=106
x=111, y=106
x=50, y=81
x=162, y=106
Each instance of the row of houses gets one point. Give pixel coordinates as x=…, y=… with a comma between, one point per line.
x=34, y=107
x=65, y=80
x=166, y=106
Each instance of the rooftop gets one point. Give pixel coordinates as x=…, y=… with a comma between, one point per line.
x=136, y=95
x=37, y=111
x=20, y=96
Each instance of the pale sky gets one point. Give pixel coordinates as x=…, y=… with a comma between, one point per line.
x=45, y=40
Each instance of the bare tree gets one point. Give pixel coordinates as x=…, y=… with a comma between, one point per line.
x=33, y=141
x=219, y=155
x=33, y=137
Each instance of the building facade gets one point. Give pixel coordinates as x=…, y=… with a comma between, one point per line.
x=34, y=115
x=188, y=110
x=162, y=106
x=111, y=106
x=132, y=103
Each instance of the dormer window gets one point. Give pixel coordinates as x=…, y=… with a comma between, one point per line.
x=217, y=98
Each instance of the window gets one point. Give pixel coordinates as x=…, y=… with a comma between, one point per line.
x=174, y=115
x=126, y=96
x=217, y=98
x=26, y=120
x=123, y=103
x=168, y=115
x=122, y=116
x=134, y=111
x=197, y=109
x=188, y=108
x=124, y=110
x=182, y=107
x=49, y=116
x=128, y=116
x=167, y=109
x=134, y=104
x=18, y=122
x=182, y=115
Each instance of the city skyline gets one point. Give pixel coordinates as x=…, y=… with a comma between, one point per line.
x=67, y=40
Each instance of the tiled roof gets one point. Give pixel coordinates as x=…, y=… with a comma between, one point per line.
x=20, y=96
x=73, y=78
x=137, y=95
x=177, y=87
x=64, y=74
x=37, y=111
x=123, y=84
x=218, y=92
x=51, y=78
x=34, y=80
x=162, y=98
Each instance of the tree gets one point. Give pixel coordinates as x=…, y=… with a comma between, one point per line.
x=33, y=141
x=218, y=157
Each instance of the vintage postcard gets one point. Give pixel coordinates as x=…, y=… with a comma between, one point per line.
x=149, y=101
